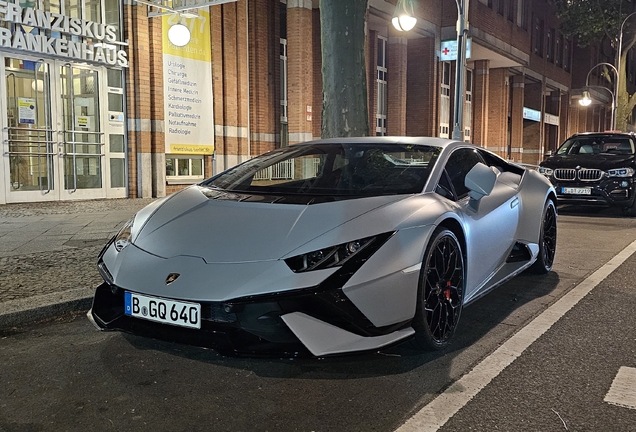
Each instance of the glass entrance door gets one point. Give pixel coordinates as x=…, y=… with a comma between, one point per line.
x=82, y=138
x=30, y=145
x=54, y=132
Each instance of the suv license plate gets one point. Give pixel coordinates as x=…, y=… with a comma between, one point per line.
x=576, y=191
x=178, y=313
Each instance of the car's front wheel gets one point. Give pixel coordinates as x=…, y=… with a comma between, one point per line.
x=631, y=210
x=440, y=292
x=547, y=239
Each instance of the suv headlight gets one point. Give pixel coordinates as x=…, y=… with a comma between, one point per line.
x=123, y=238
x=621, y=172
x=546, y=171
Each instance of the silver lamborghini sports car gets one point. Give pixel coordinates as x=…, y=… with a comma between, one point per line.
x=328, y=247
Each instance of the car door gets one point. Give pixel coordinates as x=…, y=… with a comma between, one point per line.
x=490, y=223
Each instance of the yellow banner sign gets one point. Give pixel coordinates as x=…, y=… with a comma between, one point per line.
x=199, y=46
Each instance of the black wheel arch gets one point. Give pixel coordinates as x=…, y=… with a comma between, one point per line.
x=456, y=228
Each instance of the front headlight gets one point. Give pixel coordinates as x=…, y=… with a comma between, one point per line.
x=546, y=171
x=123, y=238
x=620, y=172
x=333, y=256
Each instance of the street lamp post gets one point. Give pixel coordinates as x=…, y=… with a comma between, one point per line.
x=403, y=20
x=586, y=100
x=460, y=73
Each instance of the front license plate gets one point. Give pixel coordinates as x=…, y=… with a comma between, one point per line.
x=178, y=313
x=576, y=191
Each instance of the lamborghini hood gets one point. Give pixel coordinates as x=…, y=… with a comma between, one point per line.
x=231, y=230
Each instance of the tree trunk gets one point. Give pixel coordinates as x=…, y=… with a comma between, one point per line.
x=625, y=102
x=344, y=81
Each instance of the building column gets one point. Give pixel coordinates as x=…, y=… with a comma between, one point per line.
x=498, y=100
x=264, y=90
x=317, y=74
x=564, y=115
x=422, y=88
x=300, y=70
x=230, y=72
x=138, y=88
x=481, y=90
x=516, y=131
x=396, y=86
x=371, y=53
x=532, y=131
x=157, y=126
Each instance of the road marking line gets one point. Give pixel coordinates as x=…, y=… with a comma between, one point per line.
x=623, y=389
x=446, y=405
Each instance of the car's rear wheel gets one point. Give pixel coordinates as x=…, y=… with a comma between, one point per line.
x=547, y=239
x=440, y=292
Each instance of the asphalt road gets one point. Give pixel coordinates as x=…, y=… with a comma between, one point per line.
x=64, y=375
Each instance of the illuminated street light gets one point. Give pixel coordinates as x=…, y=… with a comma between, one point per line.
x=404, y=20
x=179, y=35
x=586, y=100
x=586, y=94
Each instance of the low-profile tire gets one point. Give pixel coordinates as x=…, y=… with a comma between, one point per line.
x=440, y=294
x=547, y=239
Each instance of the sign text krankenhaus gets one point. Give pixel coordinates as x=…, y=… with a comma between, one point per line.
x=101, y=50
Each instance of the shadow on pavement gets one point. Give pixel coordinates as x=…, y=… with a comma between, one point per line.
x=602, y=211
x=477, y=321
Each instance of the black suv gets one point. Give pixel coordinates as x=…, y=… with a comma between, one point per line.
x=594, y=168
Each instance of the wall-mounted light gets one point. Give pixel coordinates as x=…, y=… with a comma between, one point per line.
x=403, y=17
x=585, y=100
x=179, y=35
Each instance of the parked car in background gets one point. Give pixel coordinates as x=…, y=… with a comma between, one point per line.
x=328, y=247
x=595, y=168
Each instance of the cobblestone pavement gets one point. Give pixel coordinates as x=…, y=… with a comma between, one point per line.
x=48, y=252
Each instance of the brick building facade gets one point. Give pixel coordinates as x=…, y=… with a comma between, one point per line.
x=523, y=80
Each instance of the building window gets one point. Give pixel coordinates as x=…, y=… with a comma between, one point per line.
x=283, y=80
x=567, y=49
x=444, y=106
x=500, y=7
x=537, y=37
x=184, y=169
x=107, y=11
x=549, y=52
x=468, y=106
x=559, y=51
x=512, y=10
x=381, y=81
x=284, y=129
x=522, y=14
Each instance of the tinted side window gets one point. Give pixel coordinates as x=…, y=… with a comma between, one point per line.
x=458, y=165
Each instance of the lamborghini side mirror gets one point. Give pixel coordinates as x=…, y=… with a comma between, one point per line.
x=480, y=180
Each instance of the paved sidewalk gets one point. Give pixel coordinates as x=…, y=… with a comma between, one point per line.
x=48, y=253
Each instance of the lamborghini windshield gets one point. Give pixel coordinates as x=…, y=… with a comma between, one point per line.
x=333, y=169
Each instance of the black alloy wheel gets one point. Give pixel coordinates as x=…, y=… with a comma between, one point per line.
x=547, y=239
x=441, y=291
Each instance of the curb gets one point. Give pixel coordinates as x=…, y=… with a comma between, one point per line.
x=40, y=308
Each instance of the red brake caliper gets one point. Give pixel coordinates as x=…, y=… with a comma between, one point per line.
x=447, y=290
